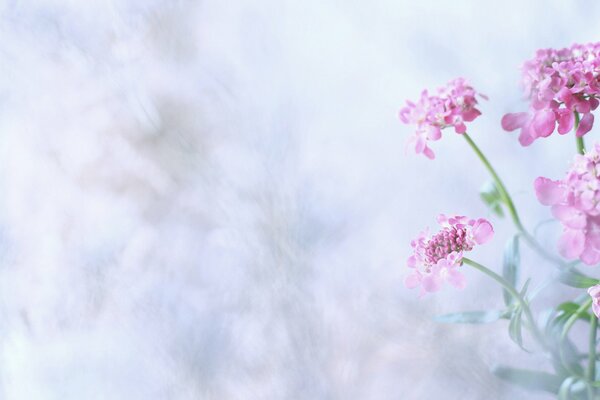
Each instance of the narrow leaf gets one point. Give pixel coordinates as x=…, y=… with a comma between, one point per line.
x=491, y=197
x=514, y=328
x=564, y=393
x=574, y=278
x=529, y=379
x=510, y=266
x=470, y=317
x=568, y=308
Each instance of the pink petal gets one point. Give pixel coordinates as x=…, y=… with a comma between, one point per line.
x=429, y=153
x=549, y=192
x=431, y=283
x=585, y=125
x=460, y=128
x=565, y=96
x=544, y=122
x=403, y=115
x=456, y=278
x=513, y=121
x=434, y=133
x=420, y=144
x=566, y=120
x=590, y=255
x=412, y=280
x=596, y=309
x=594, y=291
x=412, y=262
x=525, y=138
x=482, y=231
x=570, y=244
x=569, y=216
x=470, y=114
x=583, y=106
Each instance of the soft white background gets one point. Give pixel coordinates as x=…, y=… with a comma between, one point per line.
x=211, y=199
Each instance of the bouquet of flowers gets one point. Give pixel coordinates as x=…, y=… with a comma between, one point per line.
x=563, y=88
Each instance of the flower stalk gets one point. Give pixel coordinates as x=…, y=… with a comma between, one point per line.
x=537, y=334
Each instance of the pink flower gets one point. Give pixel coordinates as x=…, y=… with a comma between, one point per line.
x=454, y=105
x=558, y=83
x=437, y=259
x=594, y=292
x=575, y=201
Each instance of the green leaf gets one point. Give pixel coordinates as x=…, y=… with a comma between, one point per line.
x=470, y=317
x=574, y=278
x=523, y=291
x=514, y=328
x=529, y=379
x=564, y=393
x=510, y=266
x=568, y=308
x=491, y=196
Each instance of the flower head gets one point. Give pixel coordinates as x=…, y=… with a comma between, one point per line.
x=575, y=201
x=594, y=292
x=453, y=105
x=558, y=83
x=437, y=258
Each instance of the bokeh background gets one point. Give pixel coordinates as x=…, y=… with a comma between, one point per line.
x=211, y=199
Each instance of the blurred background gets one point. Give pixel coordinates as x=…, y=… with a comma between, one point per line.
x=212, y=200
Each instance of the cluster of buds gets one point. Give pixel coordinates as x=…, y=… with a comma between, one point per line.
x=437, y=258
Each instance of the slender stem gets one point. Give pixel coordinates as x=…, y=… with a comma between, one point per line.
x=591, y=369
x=573, y=318
x=578, y=140
x=513, y=292
x=511, y=206
x=501, y=188
x=580, y=145
x=567, y=327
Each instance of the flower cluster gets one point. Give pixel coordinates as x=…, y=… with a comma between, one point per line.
x=575, y=201
x=437, y=258
x=453, y=105
x=558, y=83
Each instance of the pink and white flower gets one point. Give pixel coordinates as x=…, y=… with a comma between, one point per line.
x=437, y=259
x=453, y=105
x=575, y=201
x=558, y=84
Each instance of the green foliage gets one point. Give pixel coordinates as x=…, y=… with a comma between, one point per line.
x=471, y=317
x=510, y=266
x=529, y=379
x=514, y=328
x=492, y=198
x=564, y=393
x=572, y=277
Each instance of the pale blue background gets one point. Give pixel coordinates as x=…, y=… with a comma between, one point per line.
x=211, y=199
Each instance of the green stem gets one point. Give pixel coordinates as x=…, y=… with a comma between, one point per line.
x=501, y=188
x=591, y=369
x=511, y=206
x=567, y=327
x=573, y=318
x=578, y=140
x=513, y=292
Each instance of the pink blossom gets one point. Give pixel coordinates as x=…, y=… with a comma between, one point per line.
x=575, y=201
x=558, y=84
x=594, y=292
x=453, y=105
x=437, y=259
